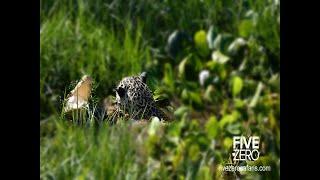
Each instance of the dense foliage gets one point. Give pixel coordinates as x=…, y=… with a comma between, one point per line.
x=218, y=62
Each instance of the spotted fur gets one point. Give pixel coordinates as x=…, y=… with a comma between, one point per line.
x=135, y=98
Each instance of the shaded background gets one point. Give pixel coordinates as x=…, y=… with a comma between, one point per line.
x=235, y=42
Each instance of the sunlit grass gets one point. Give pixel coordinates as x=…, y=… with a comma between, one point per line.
x=109, y=40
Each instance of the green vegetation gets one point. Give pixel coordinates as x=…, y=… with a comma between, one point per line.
x=234, y=45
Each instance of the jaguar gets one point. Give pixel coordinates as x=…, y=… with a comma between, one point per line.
x=134, y=97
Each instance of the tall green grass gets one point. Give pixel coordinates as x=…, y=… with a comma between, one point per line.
x=112, y=39
x=87, y=153
x=70, y=48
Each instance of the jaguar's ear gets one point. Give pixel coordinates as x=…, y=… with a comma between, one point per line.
x=121, y=91
x=143, y=77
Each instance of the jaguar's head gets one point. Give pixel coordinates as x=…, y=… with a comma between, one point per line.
x=121, y=96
